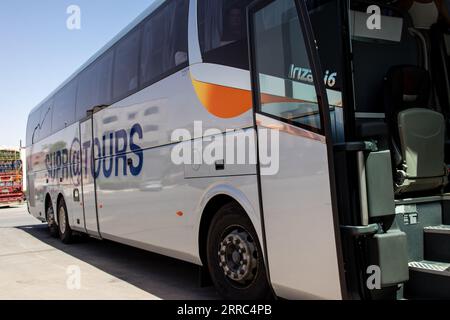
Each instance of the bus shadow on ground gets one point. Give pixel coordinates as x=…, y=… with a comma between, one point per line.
x=158, y=275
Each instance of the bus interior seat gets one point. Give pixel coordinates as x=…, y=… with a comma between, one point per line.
x=417, y=131
x=372, y=59
x=392, y=80
x=434, y=44
x=435, y=39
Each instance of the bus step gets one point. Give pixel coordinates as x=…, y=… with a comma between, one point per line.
x=437, y=243
x=428, y=280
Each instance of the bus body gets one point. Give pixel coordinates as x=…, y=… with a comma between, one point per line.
x=313, y=210
x=11, y=192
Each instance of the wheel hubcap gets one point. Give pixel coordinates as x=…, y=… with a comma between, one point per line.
x=238, y=256
x=62, y=220
x=50, y=217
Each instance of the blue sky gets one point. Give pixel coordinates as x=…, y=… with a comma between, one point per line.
x=38, y=52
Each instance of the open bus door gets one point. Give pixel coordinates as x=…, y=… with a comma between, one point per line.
x=297, y=194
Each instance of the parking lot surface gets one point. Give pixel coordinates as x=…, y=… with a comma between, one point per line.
x=33, y=265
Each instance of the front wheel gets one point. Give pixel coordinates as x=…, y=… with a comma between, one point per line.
x=235, y=258
x=65, y=232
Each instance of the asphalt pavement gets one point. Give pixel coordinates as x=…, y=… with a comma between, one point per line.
x=33, y=265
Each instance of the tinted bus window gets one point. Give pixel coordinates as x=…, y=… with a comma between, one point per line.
x=281, y=62
x=94, y=85
x=46, y=120
x=223, y=32
x=165, y=41
x=32, y=126
x=328, y=39
x=126, y=65
x=64, y=108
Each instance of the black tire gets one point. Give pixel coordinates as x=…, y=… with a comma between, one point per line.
x=65, y=232
x=228, y=228
x=51, y=222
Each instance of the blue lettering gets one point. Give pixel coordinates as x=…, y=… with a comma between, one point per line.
x=58, y=163
x=96, y=168
x=108, y=171
x=75, y=158
x=136, y=149
x=121, y=152
x=96, y=157
x=87, y=160
x=65, y=162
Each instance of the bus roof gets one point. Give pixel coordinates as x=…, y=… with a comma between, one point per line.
x=155, y=5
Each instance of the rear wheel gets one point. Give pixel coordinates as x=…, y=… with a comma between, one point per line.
x=52, y=226
x=235, y=258
x=65, y=232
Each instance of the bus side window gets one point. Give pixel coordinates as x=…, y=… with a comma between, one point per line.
x=165, y=42
x=94, y=85
x=33, y=123
x=126, y=66
x=46, y=119
x=223, y=33
x=64, y=108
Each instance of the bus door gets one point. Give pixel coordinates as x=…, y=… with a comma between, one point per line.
x=292, y=118
x=89, y=189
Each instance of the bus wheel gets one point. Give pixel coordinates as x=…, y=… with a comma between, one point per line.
x=65, y=232
x=235, y=259
x=52, y=226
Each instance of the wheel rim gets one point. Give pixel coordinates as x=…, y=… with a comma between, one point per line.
x=62, y=219
x=238, y=256
x=50, y=217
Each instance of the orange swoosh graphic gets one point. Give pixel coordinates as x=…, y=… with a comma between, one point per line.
x=221, y=101
x=227, y=102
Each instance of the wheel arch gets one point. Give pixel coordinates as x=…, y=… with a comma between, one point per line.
x=214, y=199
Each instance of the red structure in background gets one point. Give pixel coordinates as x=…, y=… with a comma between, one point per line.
x=11, y=178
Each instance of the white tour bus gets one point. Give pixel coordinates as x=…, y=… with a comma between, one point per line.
x=335, y=109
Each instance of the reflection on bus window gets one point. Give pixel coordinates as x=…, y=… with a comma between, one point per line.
x=223, y=33
x=286, y=83
x=328, y=40
x=164, y=46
